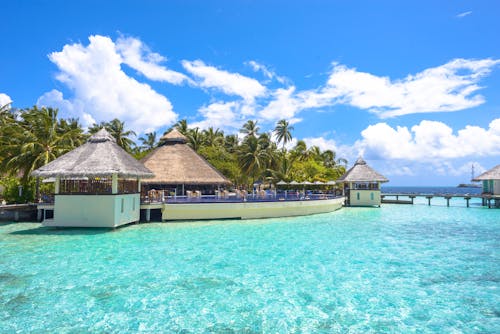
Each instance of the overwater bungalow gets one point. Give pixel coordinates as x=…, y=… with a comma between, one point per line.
x=491, y=186
x=179, y=170
x=490, y=180
x=96, y=185
x=362, y=185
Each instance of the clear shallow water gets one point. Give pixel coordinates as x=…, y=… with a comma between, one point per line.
x=398, y=269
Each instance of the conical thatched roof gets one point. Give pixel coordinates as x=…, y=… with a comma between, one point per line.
x=99, y=156
x=175, y=162
x=173, y=136
x=492, y=174
x=361, y=172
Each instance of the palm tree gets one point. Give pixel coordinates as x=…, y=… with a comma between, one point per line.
x=252, y=157
x=283, y=132
x=300, y=151
x=231, y=143
x=250, y=129
x=116, y=129
x=148, y=142
x=36, y=139
x=182, y=126
x=213, y=137
x=195, y=138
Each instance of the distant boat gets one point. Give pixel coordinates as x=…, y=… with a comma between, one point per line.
x=469, y=185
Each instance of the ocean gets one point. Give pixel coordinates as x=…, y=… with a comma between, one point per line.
x=394, y=269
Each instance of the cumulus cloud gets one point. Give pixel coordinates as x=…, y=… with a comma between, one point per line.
x=4, y=100
x=222, y=115
x=224, y=81
x=103, y=91
x=138, y=56
x=449, y=87
x=429, y=140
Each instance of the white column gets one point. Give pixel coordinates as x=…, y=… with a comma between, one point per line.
x=57, y=185
x=138, y=185
x=114, y=184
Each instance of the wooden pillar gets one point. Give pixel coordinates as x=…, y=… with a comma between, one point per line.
x=428, y=200
x=114, y=184
x=447, y=200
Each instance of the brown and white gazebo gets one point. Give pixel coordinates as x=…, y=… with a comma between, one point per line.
x=362, y=184
x=179, y=169
x=96, y=185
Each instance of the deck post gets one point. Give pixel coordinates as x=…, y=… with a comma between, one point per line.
x=467, y=200
x=447, y=200
x=428, y=200
x=148, y=214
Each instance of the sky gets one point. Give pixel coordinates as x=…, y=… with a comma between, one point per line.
x=412, y=86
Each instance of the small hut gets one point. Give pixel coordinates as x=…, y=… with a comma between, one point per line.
x=179, y=170
x=491, y=181
x=96, y=184
x=362, y=185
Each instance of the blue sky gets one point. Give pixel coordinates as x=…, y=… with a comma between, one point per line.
x=412, y=86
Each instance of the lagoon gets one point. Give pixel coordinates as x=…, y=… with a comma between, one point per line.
x=399, y=268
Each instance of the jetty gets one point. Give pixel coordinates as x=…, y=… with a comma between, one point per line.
x=491, y=201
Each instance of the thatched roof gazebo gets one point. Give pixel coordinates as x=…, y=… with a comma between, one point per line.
x=176, y=165
x=96, y=184
x=362, y=184
x=491, y=180
x=361, y=172
x=100, y=156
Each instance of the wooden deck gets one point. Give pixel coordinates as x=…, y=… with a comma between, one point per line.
x=491, y=201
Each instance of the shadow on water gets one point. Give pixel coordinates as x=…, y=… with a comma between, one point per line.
x=45, y=230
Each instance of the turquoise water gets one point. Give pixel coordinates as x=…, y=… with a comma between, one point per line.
x=398, y=269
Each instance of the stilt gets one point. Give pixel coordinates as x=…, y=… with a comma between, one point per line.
x=447, y=200
x=412, y=198
x=148, y=214
x=467, y=200
x=428, y=200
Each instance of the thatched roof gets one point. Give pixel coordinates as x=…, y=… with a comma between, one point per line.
x=173, y=136
x=361, y=172
x=175, y=162
x=99, y=156
x=492, y=174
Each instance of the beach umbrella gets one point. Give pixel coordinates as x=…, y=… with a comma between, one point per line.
x=331, y=183
x=306, y=183
x=281, y=183
x=318, y=182
x=294, y=183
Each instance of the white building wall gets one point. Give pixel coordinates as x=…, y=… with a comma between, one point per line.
x=95, y=210
x=364, y=197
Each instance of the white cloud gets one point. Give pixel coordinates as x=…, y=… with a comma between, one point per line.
x=464, y=14
x=429, y=141
x=138, y=56
x=103, y=91
x=4, y=99
x=257, y=67
x=282, y=106
x=226, y=82
x=449, y=87
x=222, y=115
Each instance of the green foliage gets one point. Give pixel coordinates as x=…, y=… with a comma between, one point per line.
x=11, y=190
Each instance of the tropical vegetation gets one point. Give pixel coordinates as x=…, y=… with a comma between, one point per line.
x=33, y=137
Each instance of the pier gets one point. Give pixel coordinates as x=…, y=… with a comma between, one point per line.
x=491, y=201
